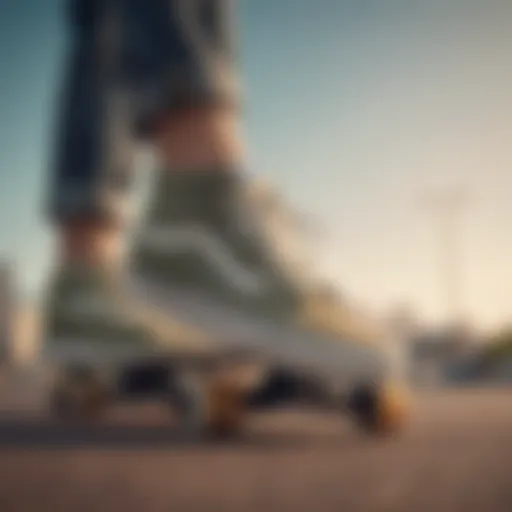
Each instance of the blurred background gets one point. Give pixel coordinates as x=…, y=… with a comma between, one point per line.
x=384, y=129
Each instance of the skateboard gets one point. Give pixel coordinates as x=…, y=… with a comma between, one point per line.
x=211, y=392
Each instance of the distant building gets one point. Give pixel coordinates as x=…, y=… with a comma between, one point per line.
x=403, y=323
x=19, y=320
x=434, y=353
x=26, y=332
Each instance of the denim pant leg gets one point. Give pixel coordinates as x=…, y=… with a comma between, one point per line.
x=179, y=53
x=131, y=61
x=91, y=171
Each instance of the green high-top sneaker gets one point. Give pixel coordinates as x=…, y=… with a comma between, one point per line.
x=203, y=255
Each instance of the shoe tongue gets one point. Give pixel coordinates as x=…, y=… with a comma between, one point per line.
x=83, y=274
x=206, y=182
x=191, y=195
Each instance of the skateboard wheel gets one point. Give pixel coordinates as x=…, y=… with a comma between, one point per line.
x=209, y=407
x=78, y=394
x=380, y=409
x=225, y=408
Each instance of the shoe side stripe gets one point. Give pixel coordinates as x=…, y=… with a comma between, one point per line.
x=195, y=239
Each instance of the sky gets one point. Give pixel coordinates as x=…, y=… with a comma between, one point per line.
x=357, y=110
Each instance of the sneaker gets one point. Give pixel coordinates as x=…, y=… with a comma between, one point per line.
x=204, y=255
x=89, y=319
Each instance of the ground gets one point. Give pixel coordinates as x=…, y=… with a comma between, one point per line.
x=455, y=456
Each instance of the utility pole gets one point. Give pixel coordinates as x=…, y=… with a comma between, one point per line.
x=6, y=311
x=446, y=207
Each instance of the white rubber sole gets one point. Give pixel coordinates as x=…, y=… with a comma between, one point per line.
x=93, y=352
x=105, y=359
x=110, y=360
x=282, y=344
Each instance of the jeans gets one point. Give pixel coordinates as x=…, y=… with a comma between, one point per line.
x=129, y=61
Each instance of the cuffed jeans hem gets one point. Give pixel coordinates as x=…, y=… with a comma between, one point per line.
x=108, y=208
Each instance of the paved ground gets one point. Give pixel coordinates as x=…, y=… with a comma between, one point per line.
x=455, y=456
